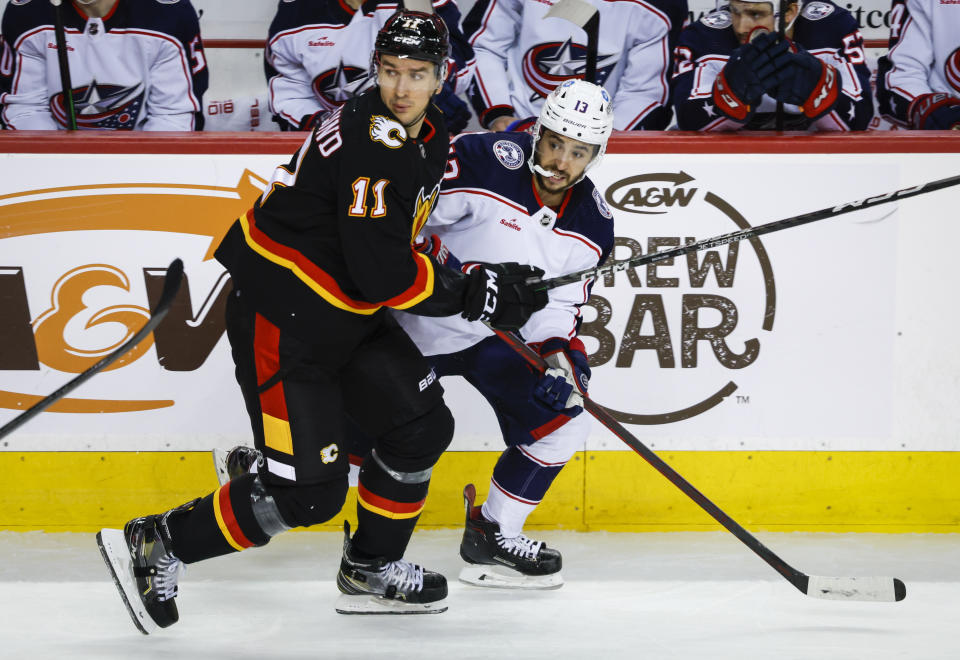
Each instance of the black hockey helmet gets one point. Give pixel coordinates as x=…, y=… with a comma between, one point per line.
x=416, y=35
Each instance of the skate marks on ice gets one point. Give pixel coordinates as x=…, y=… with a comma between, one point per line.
x=626, y=596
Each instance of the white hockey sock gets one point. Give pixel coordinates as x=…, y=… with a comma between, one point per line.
x=506, y=511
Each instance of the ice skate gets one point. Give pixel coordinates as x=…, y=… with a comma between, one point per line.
x=144, y=570
x=232, y=463
x=377, y=586
x=504, y=563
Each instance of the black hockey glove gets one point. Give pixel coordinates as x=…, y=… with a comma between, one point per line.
x=456, y=113
x=809, y=83
x=499, y=295
x=751, y=71
x=937, y=112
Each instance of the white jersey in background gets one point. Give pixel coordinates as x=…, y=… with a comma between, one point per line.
x=318, y=54
x=521, y=57
x=924, y=56
x=141, y=66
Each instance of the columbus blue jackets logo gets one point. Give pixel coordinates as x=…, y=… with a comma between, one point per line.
x=103, y=106
x=951, y=70
x=718, y=20
x=335, y=87
x=509, y=153
x=547, y=65
x=817, y=10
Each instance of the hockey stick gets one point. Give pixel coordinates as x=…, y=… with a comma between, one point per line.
x=883, y=589
x=171, y=284
x=585, y=16
x=750, y=232
x=65, y=83
x=782, y=33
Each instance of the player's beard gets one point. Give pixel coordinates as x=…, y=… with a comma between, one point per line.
x=545, y=184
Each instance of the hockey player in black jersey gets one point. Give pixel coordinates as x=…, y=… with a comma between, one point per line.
x=316, y=264
x=731, y=69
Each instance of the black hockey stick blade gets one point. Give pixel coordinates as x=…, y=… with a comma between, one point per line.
x=748, y=233
x=65, y=84
x=583, y=15
x=876, y=589
x=171, y=285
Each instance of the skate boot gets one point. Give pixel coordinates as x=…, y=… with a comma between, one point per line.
x=506, y=563
x=232, y=463
x=144, y=570
x=377, y=586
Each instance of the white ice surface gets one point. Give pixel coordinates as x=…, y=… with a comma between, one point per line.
x=680, y=595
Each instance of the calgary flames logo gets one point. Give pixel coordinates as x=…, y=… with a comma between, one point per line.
x=388, y=132
x=951, y=70
x=425, y=204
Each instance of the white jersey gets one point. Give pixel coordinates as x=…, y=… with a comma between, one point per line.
x=488, y=211
x=318, y=53
x=521, y=57
x=140, y=67
x=924, y=55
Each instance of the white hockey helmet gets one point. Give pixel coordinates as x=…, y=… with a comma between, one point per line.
x=579, y=110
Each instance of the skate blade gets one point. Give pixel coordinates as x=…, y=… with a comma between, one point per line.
x=220, y=465
x=367, y=604
x=116, y=555
x=495, y=577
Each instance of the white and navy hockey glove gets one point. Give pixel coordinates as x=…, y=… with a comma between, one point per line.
x=564, y=384
x=937, y=112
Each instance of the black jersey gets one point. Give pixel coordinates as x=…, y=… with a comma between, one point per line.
x=330, y=240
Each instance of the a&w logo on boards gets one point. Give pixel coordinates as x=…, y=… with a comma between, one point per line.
x=676, y=332
x=73, y=289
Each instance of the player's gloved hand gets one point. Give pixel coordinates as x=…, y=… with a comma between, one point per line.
x=752, y=69
x=935, y=112
x=435, y=248
x=307, y=122
x=500, y=295
x=809, y=83
x=522, y=125
x=456, y=113
x=564, y=384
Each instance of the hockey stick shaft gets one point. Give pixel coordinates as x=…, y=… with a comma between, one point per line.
x=585, y=16
x=782, y=33
x=171, y=285
x=748, y=233
x=831, y=588
x=64, y=64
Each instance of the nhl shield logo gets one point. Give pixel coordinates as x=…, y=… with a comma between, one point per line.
x=509, y=153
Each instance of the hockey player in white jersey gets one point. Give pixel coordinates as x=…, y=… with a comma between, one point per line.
x=731, y=69
x=134, y=64
x=918, y=80
x=318, y=57
x=524, y=198
x=521, y=57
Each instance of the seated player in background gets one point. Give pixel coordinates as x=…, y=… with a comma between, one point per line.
x=318, y=57
x=918, y=80
x=521, y=57
x=525, y=198
x=731, y=69
x=133, y=66
x=315, y=265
